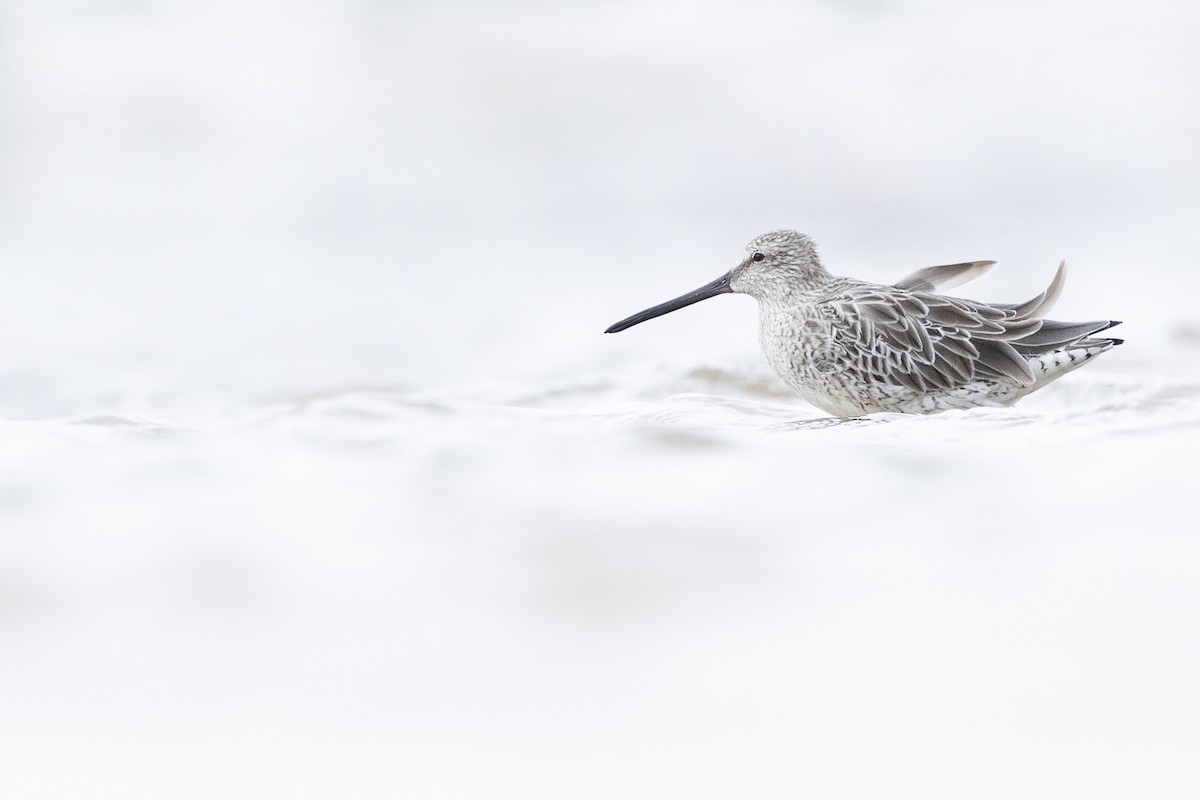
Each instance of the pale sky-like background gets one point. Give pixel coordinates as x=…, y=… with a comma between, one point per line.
x=262, y=195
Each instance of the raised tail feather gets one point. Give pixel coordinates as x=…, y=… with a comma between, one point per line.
x=946, y=276
x=1040, y=305
x=1050, y=335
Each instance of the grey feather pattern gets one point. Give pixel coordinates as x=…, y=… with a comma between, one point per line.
x=1001, y=357
x=931, y=341
x=851, y=347
x=1053, y=335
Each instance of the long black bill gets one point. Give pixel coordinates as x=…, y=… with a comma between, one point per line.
x=719, y=286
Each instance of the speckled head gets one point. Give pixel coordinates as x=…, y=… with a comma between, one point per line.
x=776, y=264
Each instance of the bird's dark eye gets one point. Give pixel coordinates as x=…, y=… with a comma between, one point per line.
x=758, y=256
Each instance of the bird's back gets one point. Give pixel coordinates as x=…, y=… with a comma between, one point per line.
x=860, y=347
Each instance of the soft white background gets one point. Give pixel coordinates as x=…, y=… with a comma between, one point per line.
x=318, y=479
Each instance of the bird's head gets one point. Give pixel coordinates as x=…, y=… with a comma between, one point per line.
x=775, y=265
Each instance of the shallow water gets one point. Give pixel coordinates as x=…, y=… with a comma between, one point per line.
x=318, y=477
x=682, y=572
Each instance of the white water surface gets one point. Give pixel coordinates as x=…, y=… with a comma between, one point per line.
x=318, y=478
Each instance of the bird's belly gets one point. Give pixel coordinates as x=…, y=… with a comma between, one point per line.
x=848, y=393
x=822, y=372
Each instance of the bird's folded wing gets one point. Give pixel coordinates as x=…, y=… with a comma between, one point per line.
x=927, y=341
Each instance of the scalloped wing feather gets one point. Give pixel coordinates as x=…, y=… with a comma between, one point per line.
x=906, y=335
x=926, y=341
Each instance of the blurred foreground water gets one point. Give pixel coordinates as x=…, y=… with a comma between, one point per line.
x=672, y=581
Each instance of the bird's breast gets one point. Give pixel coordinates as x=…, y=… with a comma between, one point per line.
x=801, y=347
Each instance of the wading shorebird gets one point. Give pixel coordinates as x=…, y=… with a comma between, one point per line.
x=851, y=347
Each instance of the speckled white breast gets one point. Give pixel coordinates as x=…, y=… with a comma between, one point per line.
x=800, y=348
